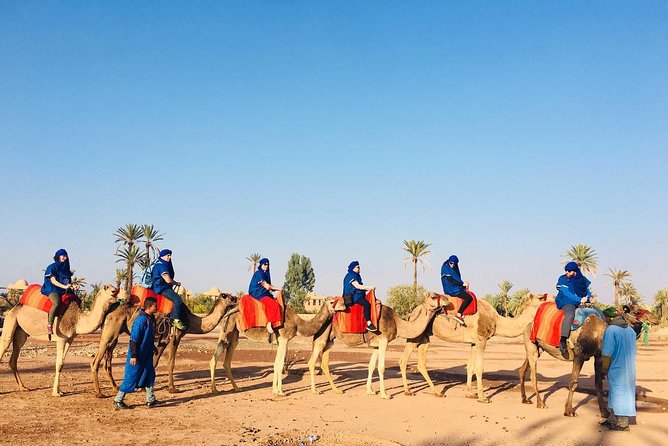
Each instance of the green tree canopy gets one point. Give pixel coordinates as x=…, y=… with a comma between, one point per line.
x=517, y=301
x=299, y=280
x=661, y=302
x=254, y=259
x=403, y=299
x=584, y=256
x=503, y=297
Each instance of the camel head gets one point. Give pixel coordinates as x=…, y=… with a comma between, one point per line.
x=107, y=293
x=432, y=301
x=329, y=302
x=230, y=299
x=635, y=314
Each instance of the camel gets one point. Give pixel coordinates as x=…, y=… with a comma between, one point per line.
x=23, y=321
x=120, y=321
x=294, y=325
x=390, y=326
x=479, y=328
x=584, y=343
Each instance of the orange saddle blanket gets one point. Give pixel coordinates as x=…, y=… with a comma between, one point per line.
x=457, y=301
x=139, y=295
x=253, y=315
x=547, y=324
x=352, y=319
x=33, y=297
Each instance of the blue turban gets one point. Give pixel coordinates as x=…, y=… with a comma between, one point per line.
x=264, y=261
x=352, y=265
x=165, y=252
x=453, y=258
x=572, y=266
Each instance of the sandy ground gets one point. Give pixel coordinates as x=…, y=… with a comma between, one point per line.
x=254, y=417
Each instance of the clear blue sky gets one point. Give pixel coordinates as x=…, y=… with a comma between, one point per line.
x=503, y=132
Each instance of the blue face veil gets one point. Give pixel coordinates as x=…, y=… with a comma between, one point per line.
x=265, y=274
x=577, y=284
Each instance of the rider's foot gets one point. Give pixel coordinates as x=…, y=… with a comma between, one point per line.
x=178, y=324
x=270, y=329
x=49, y=329
x=563, y=347
x=370, y=327
x=459, y=318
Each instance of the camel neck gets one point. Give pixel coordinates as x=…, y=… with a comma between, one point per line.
x=310, y=327
x=511, y=327
x=414, y=328
x=91, y=321
x=205, y=324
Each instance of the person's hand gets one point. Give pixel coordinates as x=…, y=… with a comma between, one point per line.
x=592, y=300
x=466, y=285
x=133, y=362
x=583, y=300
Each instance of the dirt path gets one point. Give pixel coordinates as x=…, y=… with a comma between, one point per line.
x=254, y=417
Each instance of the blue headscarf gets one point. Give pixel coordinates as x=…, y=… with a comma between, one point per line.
x=352, y=266
x=265, y=274
x=168, y=264
x=63, y=267
x=454, y=259
x=578, y=283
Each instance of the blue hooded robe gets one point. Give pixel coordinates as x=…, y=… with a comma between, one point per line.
x=348, y=280
x=571, y=291
x=161, y=266
x=255, y=288
x=451, y=278
x=60, y=271
x=141, y=347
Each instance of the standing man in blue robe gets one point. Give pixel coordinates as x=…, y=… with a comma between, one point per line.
x=139, y=369
x=619, y=362
x=163, y=281
x=572, y=290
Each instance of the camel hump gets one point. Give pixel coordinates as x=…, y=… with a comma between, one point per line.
x=139, y=294
x=254, y=313
x=454, y=302
x=352, y=319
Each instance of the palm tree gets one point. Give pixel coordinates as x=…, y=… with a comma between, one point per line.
x=518, y=300
x=416, y=250
x=120, y=277
x=128, y=236
x=503, y=297
x=253, y=259
x=618, y=276
x=629, y=293
x=584, y=256
x=661, y=300
x=150, y=235
x=131, y=255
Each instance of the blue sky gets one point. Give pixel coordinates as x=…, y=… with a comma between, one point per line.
x=504, y=132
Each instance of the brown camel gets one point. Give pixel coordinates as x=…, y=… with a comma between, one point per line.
x=390, y=326
x=294, y=325
x=120, y=321
x=584, y=343
x=479, y=328
x=23, y=321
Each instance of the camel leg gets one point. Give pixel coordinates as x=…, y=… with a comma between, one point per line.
x=107, y=365
x=104, y=352
x=372, y=367
x=7, y=334
x=470, y=366
x=478, y=361
x=324, y=365
x=598, y=379
x=403, y=364
x=281, y=352
x=227, y=363
x=382, y=348
x=578, y=362
x=522, y=376
x=220, y=347
x=18, y=340
x=422, y=368
x=171, y=359
x=532, y=359
x=60, y=359
x=318, y=347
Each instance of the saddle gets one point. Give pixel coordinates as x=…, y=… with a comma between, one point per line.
x=453, y=304
x=252, y=312
x=351, y=320
x=139, y=294
x=548, y=319
x=33, y=297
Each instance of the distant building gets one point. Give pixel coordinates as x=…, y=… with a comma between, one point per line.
x=313, y=302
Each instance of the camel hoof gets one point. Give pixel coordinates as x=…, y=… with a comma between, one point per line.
x=541, y=406
x=338, y=392
x=57, y=394
x=385, y=396
x=236, y=389
x=605, y=414
x=526, y=401
x=24, y=389
x=280, y=395
x=213, y=390
x=484, y=400
x=439, y=395
x=570, y=414
x=172, y=390
x=472, y=396
x=408, y=393
x=316, y=392
x=371, y=392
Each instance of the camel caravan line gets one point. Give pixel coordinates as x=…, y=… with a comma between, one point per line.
x=536, y=320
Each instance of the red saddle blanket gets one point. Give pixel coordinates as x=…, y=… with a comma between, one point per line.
x=547, y=324
x=457, y=301
x=33, y=297
x=253, y=315
x=352, y=319
x=139, y=295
